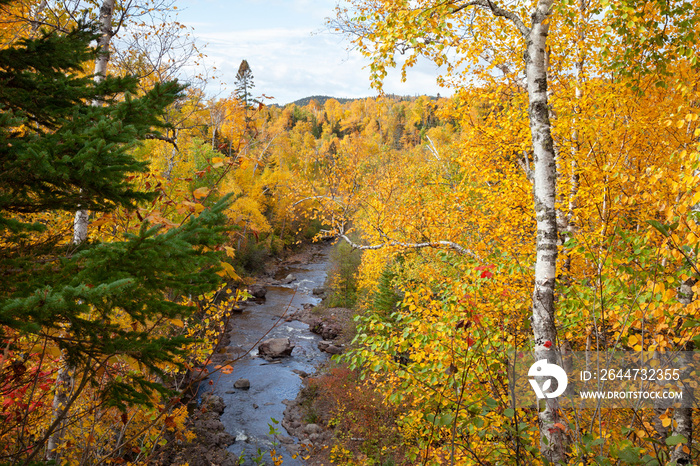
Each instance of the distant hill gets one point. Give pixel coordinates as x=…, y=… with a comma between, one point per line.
x=321, y=99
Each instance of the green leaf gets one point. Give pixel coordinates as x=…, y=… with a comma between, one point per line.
x=663, y=229
x=675, y=440
x=630, y=455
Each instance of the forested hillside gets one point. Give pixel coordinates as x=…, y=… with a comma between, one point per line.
x=550, y=208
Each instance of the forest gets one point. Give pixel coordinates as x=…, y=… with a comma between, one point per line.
x=548, y=211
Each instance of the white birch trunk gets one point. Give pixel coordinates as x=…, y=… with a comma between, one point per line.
x=80, y=224
x=552, y=441
x=683, y=415
x=65, y=377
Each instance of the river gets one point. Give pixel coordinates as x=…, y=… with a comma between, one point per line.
x=249, y=413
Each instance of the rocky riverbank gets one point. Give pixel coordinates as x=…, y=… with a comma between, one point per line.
x=227, y=433
x=301, y=417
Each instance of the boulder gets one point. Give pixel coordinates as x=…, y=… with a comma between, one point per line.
x=243, y=384
x=329, y=347
x=312, y=429
x=275, y=348
x=327, y=330
x=213, y=403
x=288, y=279
x=258, y=291
x=320, y=291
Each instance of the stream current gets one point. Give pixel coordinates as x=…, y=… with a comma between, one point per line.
x=249, y=413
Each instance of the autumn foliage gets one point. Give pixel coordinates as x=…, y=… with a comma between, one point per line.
x=187, y=195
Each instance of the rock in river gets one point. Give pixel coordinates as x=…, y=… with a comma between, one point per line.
x=258, y=291
x=243, y=384
x=275, y=348
x=329, y=347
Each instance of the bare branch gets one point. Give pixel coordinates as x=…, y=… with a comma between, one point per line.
x=498, y=11
x=319, y=197
x=163, y=138
x=430, y=244
x=525, y=165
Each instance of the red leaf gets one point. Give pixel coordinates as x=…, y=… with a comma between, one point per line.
x=547, y=344
x=470, y=342
x=486, y=274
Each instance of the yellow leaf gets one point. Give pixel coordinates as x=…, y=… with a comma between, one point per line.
x=201, y=192
x=666, y=422
x=229, y=270
x=177, y=322
x=696, y=198
x=215, y=160
x=230, y=252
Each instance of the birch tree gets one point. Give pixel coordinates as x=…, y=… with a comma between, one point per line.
x=80, y=224
x=419, y=28
x=65, y=376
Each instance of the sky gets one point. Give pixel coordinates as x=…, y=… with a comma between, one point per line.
x=289, y=49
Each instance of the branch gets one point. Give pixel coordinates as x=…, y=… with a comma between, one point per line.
x=498, y=11
x=431, y=244
x=319, y=197
x=525, y=165
x=163, y=138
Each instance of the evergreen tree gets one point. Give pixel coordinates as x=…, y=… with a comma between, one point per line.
x=244, y=83
x=58, y=152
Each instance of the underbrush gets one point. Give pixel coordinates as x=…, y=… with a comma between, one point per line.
x=365, y=427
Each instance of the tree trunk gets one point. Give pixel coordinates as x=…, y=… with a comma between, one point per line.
x=80, y=224
x=65, y=376
x=64, y=386
x=543, y=325
x=683, y=415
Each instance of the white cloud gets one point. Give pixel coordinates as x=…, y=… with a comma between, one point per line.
x=289, y=63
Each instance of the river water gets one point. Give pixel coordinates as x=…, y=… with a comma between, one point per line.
x=249, y=413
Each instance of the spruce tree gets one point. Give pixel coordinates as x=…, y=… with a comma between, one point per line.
x=57, y=153
x=244, y=83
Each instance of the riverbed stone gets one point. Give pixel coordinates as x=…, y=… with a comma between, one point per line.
x=275, y=348
x=329, y=330
x=258, y=291
x=213, y=403
x=329, y=347
x=313, y=429
x=288, y=279
x=242, y=384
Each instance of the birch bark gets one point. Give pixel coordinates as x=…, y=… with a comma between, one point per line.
x=80, y=224
x=65, y=377
x=544, y=174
